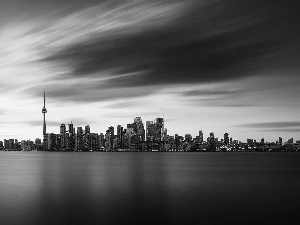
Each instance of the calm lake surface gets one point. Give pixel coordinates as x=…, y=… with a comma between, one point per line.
x=149, y=188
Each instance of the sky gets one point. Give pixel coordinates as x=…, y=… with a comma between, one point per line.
x=213, y=65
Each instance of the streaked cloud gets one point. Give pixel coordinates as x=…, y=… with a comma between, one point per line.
x=204, y=63
x=283, y=130
x=272, y=125
x=172, y=42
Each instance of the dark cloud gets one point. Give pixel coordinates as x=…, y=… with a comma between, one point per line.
x=219, y=41
x=125, y=104
x=222, y=97
x=219, y=102
x=205, y=92
x=273, y=125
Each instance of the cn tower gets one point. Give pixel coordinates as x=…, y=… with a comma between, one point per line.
x=44, y=111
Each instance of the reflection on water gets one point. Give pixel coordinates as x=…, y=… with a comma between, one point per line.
x=148, y=188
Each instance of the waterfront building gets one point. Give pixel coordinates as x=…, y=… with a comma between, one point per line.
x=120, y=138
x=188, y=137
x=63, y=136
x=38, y=141
x=79, y=146
x=87, y=129
x=140, y=131
x=200, y=136
x=70, y=138
x=226, y=139
x=109, y=138
x=101, y=141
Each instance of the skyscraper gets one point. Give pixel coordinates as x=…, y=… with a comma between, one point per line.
x=44, y=111
x=200, y=136
x=63, y=135
x=140, y=131
x=280, y=140
x=87, y=129
x=226, y=139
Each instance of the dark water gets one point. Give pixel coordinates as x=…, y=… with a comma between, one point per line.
x=149, y=188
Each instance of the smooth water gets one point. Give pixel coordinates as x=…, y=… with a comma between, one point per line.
x=149, y=188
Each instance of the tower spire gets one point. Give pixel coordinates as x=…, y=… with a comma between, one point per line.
x=44, y=111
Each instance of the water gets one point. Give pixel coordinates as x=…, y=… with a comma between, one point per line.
x=149, y=188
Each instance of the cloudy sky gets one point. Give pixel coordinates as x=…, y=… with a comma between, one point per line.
x=216, y=65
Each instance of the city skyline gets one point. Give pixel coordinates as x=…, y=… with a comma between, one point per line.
x=219, y=66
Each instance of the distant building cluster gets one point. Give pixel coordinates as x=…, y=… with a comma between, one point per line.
x=136, y=136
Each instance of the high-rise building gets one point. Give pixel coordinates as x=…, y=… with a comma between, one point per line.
x=71, y=128
x=226, y=139
x=212, y=136
x=63, y=136
x=200, y=136
x=109, y=138
x=280, y=140
x=159, y=122
x=120, y=137
x=70, y=140
x=101, y=141
x=188, y=137
x=38, y=141
x=140, y=131
x=87, y=129
x=79, y=139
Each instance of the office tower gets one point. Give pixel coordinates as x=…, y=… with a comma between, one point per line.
x=101, y=141
x=212, y=136
x=6, y=144
x=119, y=136
x=188, y=137
x=71, y=130
x=159, y=122
x=52, y=142
x=70, y=138
x=211, y=142
x=44, y=111
x=280, y=140
x=200, y=136
x=63, y=136
x=109, y=138
x=93, y=142
x=148, y=125
x=87, y=129
x=140, y=131
x=119, y=131
x=79, y=143
x=226, y=139
x=262, y=141
x=38, y=141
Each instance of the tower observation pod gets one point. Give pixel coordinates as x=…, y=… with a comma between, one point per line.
x=44, y=111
